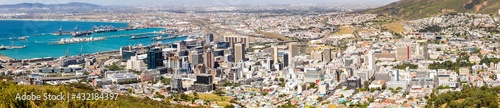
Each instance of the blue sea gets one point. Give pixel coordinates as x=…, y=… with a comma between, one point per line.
x=40, y=41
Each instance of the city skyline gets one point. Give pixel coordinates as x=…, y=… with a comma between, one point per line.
x=192, y=2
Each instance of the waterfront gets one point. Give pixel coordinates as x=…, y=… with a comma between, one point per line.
x=39, y=46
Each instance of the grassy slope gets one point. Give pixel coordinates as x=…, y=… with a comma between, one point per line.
x=414, y=9
x=9, y=91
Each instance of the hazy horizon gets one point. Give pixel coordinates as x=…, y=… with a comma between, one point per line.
x=192, y=2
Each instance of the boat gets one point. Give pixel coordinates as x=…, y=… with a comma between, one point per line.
x=78, y=34
x=23, y=38
x=130, y=28
x=158, y=38
x=139, y=37
x=171, y=37
x=43, y=34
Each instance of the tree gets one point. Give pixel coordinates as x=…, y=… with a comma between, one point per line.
x=319, y=99
x=219, y=93
x=184, y=96
x=282, y=79
x=229, y=106
x=312, y=85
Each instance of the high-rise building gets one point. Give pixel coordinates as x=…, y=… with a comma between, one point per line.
x=371, y=61
x=275, y=55
x=293, y=49
x=154, y=58
x=208, y=58
x=195, y=58
x=209, y=38
x=134, y=63
x=126, y=54
x=286, y=60
x=237, y=39
x=327, y=55
x=239, y=52
x=403, y=53
x=317, y=55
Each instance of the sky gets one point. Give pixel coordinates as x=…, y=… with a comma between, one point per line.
x=191, y=2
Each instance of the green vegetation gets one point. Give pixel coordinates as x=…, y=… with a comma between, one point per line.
x=469, y=97
x=404, y=65
x=450, y=65
x=10, y=90
x=114, y=67
x=487, y=60
x=219, y=93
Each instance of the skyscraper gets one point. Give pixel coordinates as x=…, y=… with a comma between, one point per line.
x=208, y=58
x=286, y=60
x=195, y=58
x=293, y=49
x=275, y=55
x=209, y=38
x=327, y=55
x=154, y=58
x=245, y=40
x=239, y=52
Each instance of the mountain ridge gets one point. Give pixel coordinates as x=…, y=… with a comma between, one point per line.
x=41, y=5
x=415, y=9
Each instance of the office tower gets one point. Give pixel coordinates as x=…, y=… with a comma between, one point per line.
x=327, y=55
x=237, y=39
x=371, y=61
x=293, y=49
x=134, y=63
x=154, y=58
x=239, y=52
x=275, y=55
x=317, y=55
x=403, y=53
x=209, y=38
x=286, y=60
x=195, y=58
x=126, y=53
x=208, y=58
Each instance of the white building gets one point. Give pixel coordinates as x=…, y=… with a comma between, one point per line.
x=118, y=78
x=135, y=64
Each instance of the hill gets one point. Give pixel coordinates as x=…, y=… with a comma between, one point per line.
x=40, y=5
x=414, y=9
x=10, y=90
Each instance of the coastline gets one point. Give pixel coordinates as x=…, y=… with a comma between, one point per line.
x=64, y=20
x=5, y=58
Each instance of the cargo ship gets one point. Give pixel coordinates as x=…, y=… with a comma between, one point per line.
x=78, y=34
x=103, y=29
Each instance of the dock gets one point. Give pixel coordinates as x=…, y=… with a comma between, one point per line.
x=11, y=47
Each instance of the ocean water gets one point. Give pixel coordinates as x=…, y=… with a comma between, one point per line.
x=39, y=46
